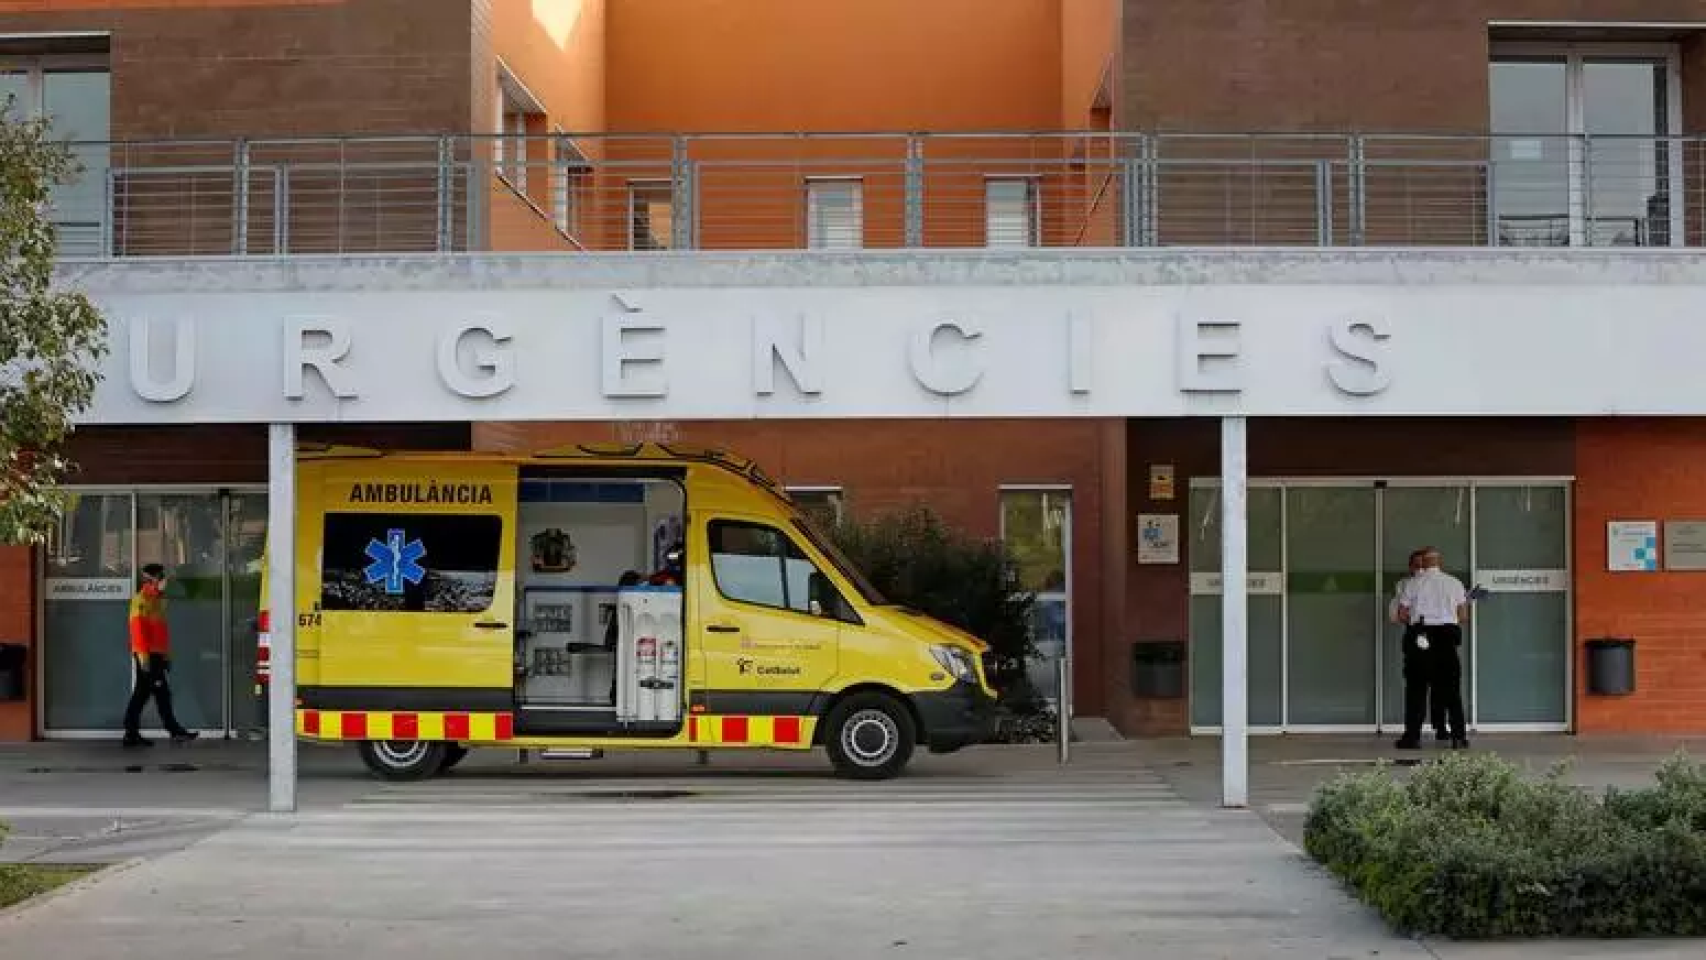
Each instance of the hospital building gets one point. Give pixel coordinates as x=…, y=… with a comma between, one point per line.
x=1428, y=274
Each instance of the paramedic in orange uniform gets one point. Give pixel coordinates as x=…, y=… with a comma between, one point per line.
x=150, y=657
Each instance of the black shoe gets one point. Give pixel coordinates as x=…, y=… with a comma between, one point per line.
x=1409, y=743
x=185, y=736
x=1460, y=743
x=136, y=740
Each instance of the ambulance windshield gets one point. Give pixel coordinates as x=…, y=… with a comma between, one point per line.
x=827, y=547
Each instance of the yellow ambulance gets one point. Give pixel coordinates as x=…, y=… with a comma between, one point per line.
x=598, y=598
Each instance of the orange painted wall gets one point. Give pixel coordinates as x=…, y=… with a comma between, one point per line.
x=1641, y=469
x=556, y=48
x=769, y=65
x=518, y=225
x=17, y=625
x=1088, y=37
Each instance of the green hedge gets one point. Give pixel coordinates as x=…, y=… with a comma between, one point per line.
x=1470, y=848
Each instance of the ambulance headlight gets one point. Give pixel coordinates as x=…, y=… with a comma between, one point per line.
x=956, y=661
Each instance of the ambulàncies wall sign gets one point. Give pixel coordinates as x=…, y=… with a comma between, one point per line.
x=902, y=351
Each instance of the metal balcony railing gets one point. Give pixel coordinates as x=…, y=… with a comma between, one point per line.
x=603, y=192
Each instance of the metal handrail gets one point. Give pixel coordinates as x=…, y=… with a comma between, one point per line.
x=747, y=189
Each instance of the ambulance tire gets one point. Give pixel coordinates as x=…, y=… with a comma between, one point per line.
x=453, y=755
x=402, y=761
x=870, y=736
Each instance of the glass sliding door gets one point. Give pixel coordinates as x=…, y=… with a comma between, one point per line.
x=1412, y=518
x=1036, y=527
x=1625, y=108
x=210, y=542
x=186, y=534
x=1266, y=656
x=90, y=573
x=1522, y=629
x=1332, y=606
x=245, y=538
x=1530, y=155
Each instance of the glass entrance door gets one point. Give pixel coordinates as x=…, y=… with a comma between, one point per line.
x=1332, y=605
x=1522, y=676
x=1325, y=559
x=1412, y=518
x=209, y=541
x=1266, y=661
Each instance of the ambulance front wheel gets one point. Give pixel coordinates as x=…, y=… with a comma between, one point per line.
x=404, y=760
x=870, y=736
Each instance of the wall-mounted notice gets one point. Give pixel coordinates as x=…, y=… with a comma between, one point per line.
x=1160, y=481
x=1632, y=545
x=1158, y=538
x=1685, y=545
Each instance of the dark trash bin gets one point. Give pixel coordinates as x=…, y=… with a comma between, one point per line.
x=1158, y=669
x=13, y=656
x=1611, y=666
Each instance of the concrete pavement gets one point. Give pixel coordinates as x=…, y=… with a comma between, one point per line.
x=991, y=854
x=1018, y=860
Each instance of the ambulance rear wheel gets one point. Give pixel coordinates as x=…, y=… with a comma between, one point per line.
x=403, y=760
x=870, y=737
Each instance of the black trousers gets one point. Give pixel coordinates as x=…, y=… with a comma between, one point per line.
x=1434, y=678
x=151, y=682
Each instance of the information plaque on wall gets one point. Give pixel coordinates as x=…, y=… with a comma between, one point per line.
x=1632, y=545
x=1685, y=545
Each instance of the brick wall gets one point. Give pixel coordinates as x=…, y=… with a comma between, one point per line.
x=281, y=69
x=1641, y=469
x=956, y=467
x=288, y=67
x=1334, y=67
x=17, y=625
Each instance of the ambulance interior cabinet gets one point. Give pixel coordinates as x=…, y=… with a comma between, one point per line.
x=649, y=655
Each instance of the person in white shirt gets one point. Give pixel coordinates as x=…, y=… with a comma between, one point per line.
x=1433, y=605
x=1436, y=709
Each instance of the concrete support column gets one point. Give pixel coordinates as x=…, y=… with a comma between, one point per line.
x=1235, y=612
x=281, y=600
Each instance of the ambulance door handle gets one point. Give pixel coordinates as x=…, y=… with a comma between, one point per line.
x=490, y=625
x=722, y=628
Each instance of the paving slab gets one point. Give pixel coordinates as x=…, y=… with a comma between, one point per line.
x=985, y=860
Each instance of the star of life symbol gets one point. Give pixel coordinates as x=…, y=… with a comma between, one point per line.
x=395, y=560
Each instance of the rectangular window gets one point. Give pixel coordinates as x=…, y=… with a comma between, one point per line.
x=826, y=506
x=1011, y=212
x=519, y=113
x=651, y=215
x=410, y=563
x=1584, y=151
x=570, y=171
x=835, y=214
x=75, y=92
x=758, y=564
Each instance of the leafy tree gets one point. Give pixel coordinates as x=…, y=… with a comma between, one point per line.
x=917, y=560
x=51, y=340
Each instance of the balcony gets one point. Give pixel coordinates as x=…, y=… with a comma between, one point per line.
x=608, y=192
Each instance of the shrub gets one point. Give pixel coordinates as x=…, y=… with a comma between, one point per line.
x=920, y=562
x=1470, y=848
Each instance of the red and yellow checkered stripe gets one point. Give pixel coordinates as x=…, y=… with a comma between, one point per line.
x=750, y=731
x=410, y=725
